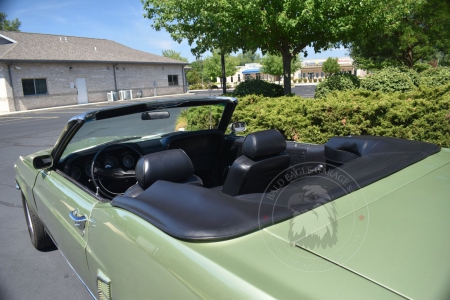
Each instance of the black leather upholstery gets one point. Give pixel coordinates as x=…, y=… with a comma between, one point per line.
x=263, y=143
x=194, y=213
x=203, y=148
x=170, y=165
x=197, y=214
x=262, y=161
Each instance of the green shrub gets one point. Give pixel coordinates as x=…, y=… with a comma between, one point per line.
x=305, y=80
x=199, y=118
x=197, y=86
x=389, y=80
x=337, y=82
x=423, y=114
x=258, y=87
x=435, y=76
x=420, y=67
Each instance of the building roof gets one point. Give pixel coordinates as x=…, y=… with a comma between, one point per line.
x=36, y=47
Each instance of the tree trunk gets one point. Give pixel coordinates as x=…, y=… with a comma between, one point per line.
x=287, y=59
x=224, y=75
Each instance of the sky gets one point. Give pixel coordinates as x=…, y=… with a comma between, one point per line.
x=118, y=20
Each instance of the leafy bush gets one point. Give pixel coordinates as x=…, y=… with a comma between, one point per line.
x=258, y=87
x=423, y=114
x=435, y=76
x=197, y=86
x=389, y=80
x=199, y=118
x=420, y=67
x=305, y=80
x=337, y=82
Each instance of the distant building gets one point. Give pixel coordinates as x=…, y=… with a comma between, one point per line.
x=311, y=68
x=250, y=70
x=43, y=70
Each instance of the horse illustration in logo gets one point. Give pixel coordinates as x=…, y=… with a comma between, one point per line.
x=318, y=226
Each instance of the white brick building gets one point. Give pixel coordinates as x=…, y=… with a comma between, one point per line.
x=42, y=70
x=311, y=68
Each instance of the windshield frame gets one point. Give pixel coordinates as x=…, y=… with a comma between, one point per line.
x=76, y=122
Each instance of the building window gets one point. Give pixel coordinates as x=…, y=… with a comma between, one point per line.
x=321, y=74
x=239, y=77
x=34, y=86
x=304, y=75
x=258, y=76
x=173, y=79
x=317, y=75
x=231, y=78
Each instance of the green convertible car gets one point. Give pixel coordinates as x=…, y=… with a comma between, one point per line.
x=168, y=200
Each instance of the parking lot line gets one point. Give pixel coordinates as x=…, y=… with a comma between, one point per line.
x=10, y=120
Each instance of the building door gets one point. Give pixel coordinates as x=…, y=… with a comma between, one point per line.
x=82, y=90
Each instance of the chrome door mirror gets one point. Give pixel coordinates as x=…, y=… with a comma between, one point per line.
x=238, y=127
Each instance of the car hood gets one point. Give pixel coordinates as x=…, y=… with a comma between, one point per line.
x=393, y=233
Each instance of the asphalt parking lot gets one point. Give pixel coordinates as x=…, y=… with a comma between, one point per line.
x=26, y=273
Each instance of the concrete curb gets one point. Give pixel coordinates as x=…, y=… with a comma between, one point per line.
x=86, y=104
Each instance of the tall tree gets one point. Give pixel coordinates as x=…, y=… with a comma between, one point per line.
x=284, y=27
x=9, y=25
x=287, y=27
x=248, y=57
x=195, y=75
x=412, y=32
x=273, y=65
x=331, y=66
x=212, y=67
x=212, y=25
x=174, y=55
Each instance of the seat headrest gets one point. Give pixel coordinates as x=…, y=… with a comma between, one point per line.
x=170, y=165
x=263, y=143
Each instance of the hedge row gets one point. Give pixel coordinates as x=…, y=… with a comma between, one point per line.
x=422, y=114
x=387, y=80
x=418, y=115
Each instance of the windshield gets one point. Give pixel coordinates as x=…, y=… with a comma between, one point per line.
x=132, y=126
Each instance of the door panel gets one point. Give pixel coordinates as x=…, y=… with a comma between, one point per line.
x=56, y=197
x=135, y=260
x=82, y=90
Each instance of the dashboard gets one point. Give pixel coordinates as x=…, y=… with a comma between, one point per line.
x=78, y=166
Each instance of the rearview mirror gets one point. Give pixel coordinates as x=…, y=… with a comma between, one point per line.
x=154, y=115
x=42, y=162
x=238, y=127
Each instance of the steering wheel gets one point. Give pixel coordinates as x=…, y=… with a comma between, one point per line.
x=112, y=173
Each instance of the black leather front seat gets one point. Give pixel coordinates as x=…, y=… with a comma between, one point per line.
x=264, y=158
x=170, y=165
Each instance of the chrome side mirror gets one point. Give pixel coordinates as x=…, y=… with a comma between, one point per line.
x=238, y=127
